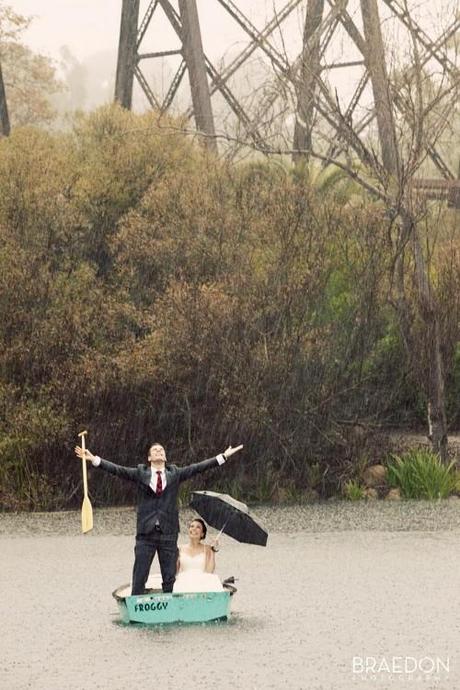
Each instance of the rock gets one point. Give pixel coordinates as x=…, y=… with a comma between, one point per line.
x=454, y=498
x=280, y=495
x=371, y=493
x=375, y=476
x=311, y=496
x=393, y=495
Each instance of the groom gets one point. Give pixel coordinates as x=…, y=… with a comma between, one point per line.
x=157, y=514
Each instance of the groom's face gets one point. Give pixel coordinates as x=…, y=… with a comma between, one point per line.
x=157, y=456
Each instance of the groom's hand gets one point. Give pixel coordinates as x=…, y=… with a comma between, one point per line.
x=84, y=454
x=230, y=451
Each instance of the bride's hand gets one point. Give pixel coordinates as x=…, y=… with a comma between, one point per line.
x=215, y=545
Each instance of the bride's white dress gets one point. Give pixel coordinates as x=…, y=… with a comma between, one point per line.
x=191, y=576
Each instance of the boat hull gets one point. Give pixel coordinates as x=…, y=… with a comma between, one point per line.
x=162, y=608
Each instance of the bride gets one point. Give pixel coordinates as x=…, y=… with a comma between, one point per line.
x=196, y=563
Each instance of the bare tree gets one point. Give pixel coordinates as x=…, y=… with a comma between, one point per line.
x=411, y=118
x=393, y=167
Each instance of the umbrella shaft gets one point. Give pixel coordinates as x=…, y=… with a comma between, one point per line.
x=225, y=525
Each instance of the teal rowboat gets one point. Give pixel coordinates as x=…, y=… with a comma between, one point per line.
x=157, y=607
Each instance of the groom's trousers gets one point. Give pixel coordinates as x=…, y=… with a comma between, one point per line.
x=147, y=545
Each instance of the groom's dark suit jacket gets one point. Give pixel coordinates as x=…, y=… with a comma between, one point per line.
x=153, y=509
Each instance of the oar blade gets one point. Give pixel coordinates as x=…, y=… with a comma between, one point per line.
x=86, y=516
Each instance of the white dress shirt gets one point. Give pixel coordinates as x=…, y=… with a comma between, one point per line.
x=154, y=479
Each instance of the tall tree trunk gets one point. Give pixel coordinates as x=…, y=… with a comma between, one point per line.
x=429, y=311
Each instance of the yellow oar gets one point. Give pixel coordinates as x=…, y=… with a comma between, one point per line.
x=86, y=509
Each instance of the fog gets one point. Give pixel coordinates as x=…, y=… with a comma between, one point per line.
x=90, y=26
x=81, y=36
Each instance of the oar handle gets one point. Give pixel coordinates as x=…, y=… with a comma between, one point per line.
x=85, y=475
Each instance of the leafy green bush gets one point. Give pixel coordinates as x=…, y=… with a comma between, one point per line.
x=421, y=474
x=150, y=291
x=353, y=491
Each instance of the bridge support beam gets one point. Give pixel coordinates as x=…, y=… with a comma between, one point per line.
x=127, y=53
x=4, y=117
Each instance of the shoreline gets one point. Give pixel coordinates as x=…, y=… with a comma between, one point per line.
x=318, y=517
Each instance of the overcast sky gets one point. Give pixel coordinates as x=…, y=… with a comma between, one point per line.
x=89, y=27
x=86, y=26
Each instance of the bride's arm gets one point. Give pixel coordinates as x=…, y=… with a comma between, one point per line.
x=210, y=564
x=178, y=561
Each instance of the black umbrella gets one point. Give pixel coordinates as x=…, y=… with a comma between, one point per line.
x=228, y=515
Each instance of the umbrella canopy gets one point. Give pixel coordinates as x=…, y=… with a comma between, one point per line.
x=232, y=517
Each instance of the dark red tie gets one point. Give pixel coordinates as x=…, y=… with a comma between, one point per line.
x=159, y=489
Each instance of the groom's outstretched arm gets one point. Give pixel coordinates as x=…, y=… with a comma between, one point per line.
x=205, y=465
x=129, y=473
x=200, y=467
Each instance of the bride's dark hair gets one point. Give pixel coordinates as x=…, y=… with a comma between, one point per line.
x=204, y=529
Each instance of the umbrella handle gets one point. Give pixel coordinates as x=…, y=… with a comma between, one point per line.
x=225, y=524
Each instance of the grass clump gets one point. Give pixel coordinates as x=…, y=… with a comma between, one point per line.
x=421, y=474
x=353, y=491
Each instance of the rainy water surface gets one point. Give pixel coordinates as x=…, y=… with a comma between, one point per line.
x=337, y=584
